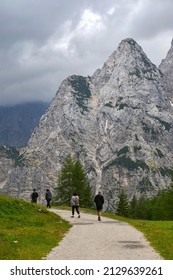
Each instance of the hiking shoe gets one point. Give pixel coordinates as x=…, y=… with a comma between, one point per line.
x=72, y=216
x=78, y=216
x=99, y=219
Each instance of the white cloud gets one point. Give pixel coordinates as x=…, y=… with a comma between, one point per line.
x=90, y=23
x=41, y=47
x=111, y=11
x=61, y=43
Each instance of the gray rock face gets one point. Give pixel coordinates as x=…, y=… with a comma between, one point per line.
x=166, y=67
x=118, y=122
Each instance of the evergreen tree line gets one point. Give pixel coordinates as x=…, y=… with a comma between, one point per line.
x=73, y=179
x=159, y=207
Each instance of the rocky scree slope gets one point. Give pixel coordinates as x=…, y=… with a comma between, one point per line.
x=118, y=122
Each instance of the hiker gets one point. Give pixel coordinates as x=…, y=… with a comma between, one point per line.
x=34, y=196
x=75, y=204
x=99, y=201
x=48, y=197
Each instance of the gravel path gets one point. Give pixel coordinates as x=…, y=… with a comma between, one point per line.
x=109, y=239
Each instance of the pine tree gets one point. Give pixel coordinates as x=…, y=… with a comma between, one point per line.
x=143, y=208
x=133, y=205
x=72, y=179
x=65, y=181
x=81, y=185
x=123, y=205
x=162, y=208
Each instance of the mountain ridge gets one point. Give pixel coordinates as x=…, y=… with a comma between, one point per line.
x=166, y=67
x=117, y=122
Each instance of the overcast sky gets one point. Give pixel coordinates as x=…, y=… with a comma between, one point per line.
x=44, y=41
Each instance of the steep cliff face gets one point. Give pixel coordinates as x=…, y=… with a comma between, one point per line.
x=118, y=122
x=166, y=67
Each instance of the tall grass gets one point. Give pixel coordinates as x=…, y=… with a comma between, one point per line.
x=28, y=231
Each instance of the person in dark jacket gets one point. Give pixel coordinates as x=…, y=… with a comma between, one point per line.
x=34, y=196
x=99, y=201
x=48, y=197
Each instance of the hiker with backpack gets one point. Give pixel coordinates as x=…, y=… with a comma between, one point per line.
x=34, y=196
x=48, y=197
x=75, y=204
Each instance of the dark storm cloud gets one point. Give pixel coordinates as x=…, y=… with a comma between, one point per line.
x=44, y=41
x=31, y=20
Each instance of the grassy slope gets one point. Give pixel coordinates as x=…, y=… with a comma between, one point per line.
x=25, y=232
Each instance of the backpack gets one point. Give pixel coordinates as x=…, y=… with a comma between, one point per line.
x=34, y=195
x=75, y=200
x=48, y=195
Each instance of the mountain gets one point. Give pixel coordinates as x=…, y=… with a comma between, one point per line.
x=166, y=67
x=8, y=155
x=17, y=122
x=118, y=122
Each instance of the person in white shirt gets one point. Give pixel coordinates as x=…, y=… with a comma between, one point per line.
x=75, y=204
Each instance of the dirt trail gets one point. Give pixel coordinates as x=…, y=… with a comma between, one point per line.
x=109, y=239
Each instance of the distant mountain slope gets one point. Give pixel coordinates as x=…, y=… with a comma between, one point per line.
x=17, y=122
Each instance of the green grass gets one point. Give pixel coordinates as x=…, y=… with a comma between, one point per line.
x=26, y=232
x=158, y=233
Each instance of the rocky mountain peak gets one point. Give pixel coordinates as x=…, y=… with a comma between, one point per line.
x=129, y=45
x=168, y=60
x=131, y=55
x=118, y=123
x=172, y=43
x=129, y=58
x=166, y=67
